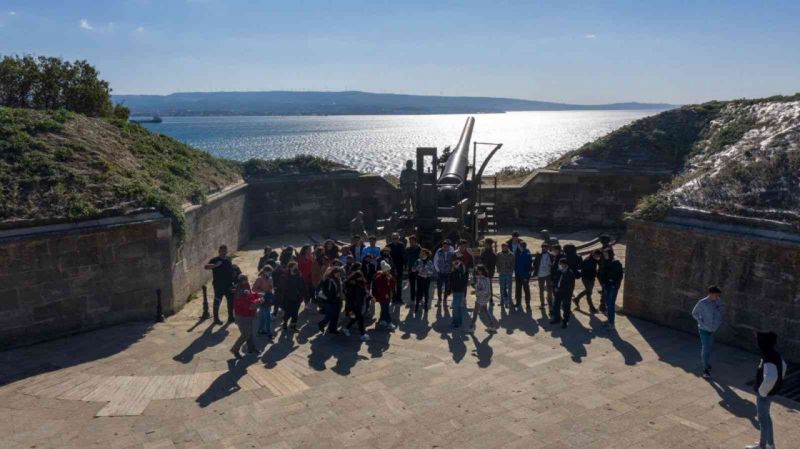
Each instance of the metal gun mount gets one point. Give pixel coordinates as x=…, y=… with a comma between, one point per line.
x=447, y=201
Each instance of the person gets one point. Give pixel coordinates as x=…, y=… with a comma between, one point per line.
x=483, y=294
x=769, y=380
x=277, y=279
x=513, y=242
x=459, y=279
x=305, y=264
x=505, y=270
x=263, y=286
x=357, y=226
x=563, y=287
x=555, y=256
x=357, y=248
x=294, y=290
x=331, y=250
x=318, y=267
x=488, y=258
x=244, y=307
x=397, y=249
x=331, y=294
x=382, y=291
x=222, y=274
x=588, y=274
x=265, y=258
x=287, y=255
x=466, y=256
x=369, y=270
x=542, y=266
x=708, y=314
x=610, y=275
x=412, y=253
x=344, y=253
x=442, y=264
x=373, y=250
x=349, y=264
x=423, y=270
x=408, y=183
x=355, y=292
x=522, y=274
x=573, y=259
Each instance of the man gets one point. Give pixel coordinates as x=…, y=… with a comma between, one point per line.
x=357, y=248
x=769, y=380
x=357, y=225
x=513, y=242
x=522, y=274
x=398, y=251
x=588, y=275
x=459, y=278
x=542, y=266
x=410, y=259
x=466, y=257
x=443, y=265
x=222, y=274
x=262, y=261
x=708, y=314
x=610, y=275
x=408, y=183
x=505, y=270
x=563, y=288
x=373, y=250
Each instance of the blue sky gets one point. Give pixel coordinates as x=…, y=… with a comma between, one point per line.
x=579, y=52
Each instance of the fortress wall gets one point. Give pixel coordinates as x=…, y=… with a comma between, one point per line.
x=572, y=200
x=670, y=265
x=316, y=203
x=60, y=279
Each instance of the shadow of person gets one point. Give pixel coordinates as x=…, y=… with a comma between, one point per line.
x=280, y=349
x=455, y=339
x=735, y=404
x=347, y=356
x=517, y=320
x=574, y=338
x=204, y=341
x=227, y=383
x=416, y=324
x=629, y=352
x=483, y=351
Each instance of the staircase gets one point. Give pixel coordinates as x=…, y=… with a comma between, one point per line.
x=487, y=220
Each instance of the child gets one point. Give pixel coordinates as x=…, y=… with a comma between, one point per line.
x=355, y=291
x=244, y=310
x=483, y=293
x=423, y=268
x=264, y=287
x=382, y=292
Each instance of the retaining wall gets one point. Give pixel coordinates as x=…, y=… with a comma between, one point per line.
x=670, y=264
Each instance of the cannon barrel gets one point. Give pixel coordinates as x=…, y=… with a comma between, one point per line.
x=455, y=169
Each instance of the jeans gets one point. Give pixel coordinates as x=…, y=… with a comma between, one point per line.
x=386, y=312
x=265, y=319
x=523, y=283
x=442, y=283
x=331, y=316
x=245, y=325
x=764, y=420
x=290, y=311
x=423, y=292
x=610, y=300
x=545, y=286
x=505, y=288
x=458, y=308
x=706, y=342
x=483, y=309
x=413, y=282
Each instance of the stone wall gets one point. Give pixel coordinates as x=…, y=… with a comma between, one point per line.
x=670, y=264
x=60, y=279
x=572, y=200
x=317, y=203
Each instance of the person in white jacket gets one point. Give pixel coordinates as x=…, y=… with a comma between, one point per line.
x=769, y=379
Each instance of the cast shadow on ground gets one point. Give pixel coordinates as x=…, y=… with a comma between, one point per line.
x=204, y=341
x=228, y=382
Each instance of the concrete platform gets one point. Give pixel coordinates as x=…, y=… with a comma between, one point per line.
x=531, y=385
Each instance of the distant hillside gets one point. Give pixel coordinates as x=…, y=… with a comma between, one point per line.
x=62, y=166
x=341, y=103
x=739, y=158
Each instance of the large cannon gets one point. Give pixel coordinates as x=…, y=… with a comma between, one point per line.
x=452, y=182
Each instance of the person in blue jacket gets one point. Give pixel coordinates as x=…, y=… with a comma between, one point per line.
x=522, y=274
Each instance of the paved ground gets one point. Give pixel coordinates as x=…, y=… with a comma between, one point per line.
x=529, y=386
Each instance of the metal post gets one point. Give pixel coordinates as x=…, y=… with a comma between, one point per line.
x=205, y=315
x=159, y=311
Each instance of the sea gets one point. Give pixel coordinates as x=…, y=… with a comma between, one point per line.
x=382, y=143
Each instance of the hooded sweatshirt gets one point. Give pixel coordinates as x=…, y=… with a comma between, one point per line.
x=772, y=368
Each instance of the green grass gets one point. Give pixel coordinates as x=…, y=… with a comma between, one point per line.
x=57, y=166
x=299, y=165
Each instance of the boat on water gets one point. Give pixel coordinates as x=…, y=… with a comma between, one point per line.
x=155, y=119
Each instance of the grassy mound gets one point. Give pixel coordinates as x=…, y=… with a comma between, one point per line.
x=299, y=165
x=60, y=166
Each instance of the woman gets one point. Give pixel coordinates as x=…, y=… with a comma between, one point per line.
x=244, y=310
x=488, y=259
x=305, y=263
x=287, y=255
x=355, y=291
x=382, y=292
x=331, y=294
x=483, y=293
x=331, y=250
x=423, y=268
x=265, y=288
x=293, y=290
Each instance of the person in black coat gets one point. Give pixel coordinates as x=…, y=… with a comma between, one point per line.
x=293, y=291
x=331, y=292
x=563, y=287
x=410, y=256
x=588, y=275
x=610, y=274
x=355, y=292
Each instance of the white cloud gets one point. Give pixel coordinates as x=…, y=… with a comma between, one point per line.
x=140, y=29
x=590, y=36
x=85, y=25
x=12, y=13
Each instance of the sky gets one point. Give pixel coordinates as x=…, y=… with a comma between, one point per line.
x=587, y=52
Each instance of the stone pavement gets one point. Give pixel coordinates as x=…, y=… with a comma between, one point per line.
x=531, y=385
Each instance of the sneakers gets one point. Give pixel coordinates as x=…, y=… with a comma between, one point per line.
x=346, y=331
x=757, y=446
x=706, y=373
x=236, y=354
x=365, y=337
x=321, y=327
x=391, y=326
x=563, y=325
x=218, y=321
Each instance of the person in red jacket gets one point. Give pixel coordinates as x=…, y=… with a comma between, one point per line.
x=382, y=290
x=305, y=264
x=245, y=303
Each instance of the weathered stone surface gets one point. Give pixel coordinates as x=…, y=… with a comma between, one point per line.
x=670, y=266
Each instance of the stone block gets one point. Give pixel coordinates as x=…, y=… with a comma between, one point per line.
x=9, y=300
